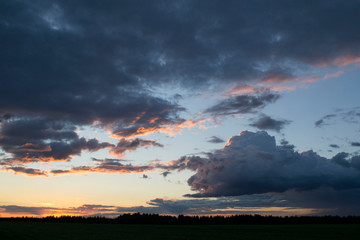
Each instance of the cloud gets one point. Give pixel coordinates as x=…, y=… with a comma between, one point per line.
x=26, y=171
x=251, y=163
x=345, y=115
x=241, y=104
x=40, y=139
x=22, y=210
x=265, y=122
x=131, y=145
x=286, y=145
x=334, y=146
x=165, y=173
x=316, y=202
x=84, y=210
x=106, y=166
x=215, y=139
x=134, y=130
x=321, y=122
x=264, y=204
x=355, y=144
x=67, y=65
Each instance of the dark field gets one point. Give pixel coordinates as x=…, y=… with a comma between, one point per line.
x=53, y=231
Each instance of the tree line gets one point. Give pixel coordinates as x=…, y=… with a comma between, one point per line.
x=144, y=218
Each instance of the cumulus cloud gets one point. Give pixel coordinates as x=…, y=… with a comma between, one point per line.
x=265, y=122
x=252, y=163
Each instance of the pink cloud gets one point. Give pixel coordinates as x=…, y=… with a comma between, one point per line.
x=332, y=75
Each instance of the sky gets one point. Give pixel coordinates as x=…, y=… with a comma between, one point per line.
x=179, y=107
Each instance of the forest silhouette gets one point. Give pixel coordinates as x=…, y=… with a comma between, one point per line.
x=139, y=218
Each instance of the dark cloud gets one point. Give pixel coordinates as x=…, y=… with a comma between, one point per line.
x=355, y=162
x=321, y=122
x=242, y=104
x=106, y=166
x=265, y=122
x=215, y=139
x=355, y=144
x=165, y=173
x=342, y=159
x=23, y=210
x=251, y=163
x=323, y=201
x=132, y=43
x=27, y=171
x=41, y=139
x=131, y=145
x=334, y=146
x=86, y=209
x=201, y=207
x=285, y=144
x=246, y=204
x=94, y=207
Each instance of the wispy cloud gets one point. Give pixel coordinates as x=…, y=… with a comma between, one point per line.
x=241, y=104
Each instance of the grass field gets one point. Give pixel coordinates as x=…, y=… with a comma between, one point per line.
x=79, y=231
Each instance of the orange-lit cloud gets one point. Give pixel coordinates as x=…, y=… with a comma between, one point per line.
x=168, y=128
x=137, y=118
x=240, y=90
x=276, y=85
x=30, y=147
x=283, y=88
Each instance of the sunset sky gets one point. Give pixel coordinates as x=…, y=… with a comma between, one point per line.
x=179, y=107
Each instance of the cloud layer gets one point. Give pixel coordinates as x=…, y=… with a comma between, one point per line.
x=66, y=65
